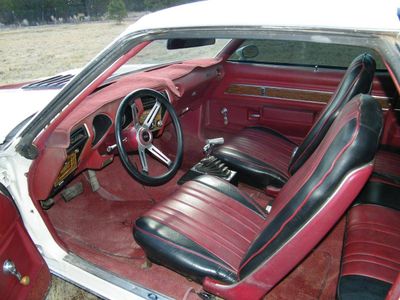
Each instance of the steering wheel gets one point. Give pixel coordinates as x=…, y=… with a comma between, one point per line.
x=139, y=137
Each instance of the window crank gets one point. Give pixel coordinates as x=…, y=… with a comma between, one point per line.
x=224, y=112
x=10, y=268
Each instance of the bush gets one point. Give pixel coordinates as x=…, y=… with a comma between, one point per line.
x=117, y=10
x=160, y=4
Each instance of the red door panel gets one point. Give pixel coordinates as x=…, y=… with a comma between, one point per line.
x=384, y=88
x=292, y=121
x=285, y=98
x=16, y=246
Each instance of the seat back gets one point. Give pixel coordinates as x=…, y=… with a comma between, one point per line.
x=318, y=194
x=357, y=80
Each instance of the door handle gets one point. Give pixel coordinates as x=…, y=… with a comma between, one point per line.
x=255, y=115
x=10, y=269
x=224, y=112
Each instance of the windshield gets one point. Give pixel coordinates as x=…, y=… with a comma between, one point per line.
x=156, y=53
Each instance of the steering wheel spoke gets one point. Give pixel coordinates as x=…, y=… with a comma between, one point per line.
x=160, y=155
x=143, y=159
x=135, y=118
x=152, y=115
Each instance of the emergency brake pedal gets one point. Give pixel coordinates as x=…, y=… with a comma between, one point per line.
x=71, y=192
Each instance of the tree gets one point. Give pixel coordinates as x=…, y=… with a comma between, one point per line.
x=160, y=4
x=117, y=10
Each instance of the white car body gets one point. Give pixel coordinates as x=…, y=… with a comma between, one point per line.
x=296, y=15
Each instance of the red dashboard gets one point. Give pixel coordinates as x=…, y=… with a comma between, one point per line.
x=80, y=141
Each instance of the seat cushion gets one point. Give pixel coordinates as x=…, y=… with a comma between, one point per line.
x=371, y=254
x=204, y=229
x=260, y=155
x=380, y=193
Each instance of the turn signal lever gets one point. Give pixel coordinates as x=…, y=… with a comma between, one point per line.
x=210, y=143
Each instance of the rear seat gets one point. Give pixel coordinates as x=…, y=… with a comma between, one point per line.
x=387, y=164
x=371, y=252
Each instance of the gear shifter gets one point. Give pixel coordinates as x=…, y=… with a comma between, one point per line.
x=210, y=143
x=211, y=165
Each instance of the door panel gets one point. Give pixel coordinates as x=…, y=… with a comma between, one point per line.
x=16, y=245
x=289, y=120
x=287, y=99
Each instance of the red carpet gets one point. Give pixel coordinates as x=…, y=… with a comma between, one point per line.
x=98, y=225
x=316, y=277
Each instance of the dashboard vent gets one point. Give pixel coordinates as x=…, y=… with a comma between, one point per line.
x=56, y=82
x=78, y=137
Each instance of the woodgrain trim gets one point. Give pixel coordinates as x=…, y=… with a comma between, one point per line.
x=305, y=95
x=279, y=93
x=290, y=94
x=245, y=90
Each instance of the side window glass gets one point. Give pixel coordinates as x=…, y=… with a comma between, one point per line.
x=300, y=53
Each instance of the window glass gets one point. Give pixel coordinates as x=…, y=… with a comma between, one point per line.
x=302, y=53
x=157, y=53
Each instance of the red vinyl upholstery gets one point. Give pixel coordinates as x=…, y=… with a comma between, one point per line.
x=266, y=163
x=210, y=231
x=371, y=256
x=268, y=160
x=372, y=247
x=394, y=293
x=223, y=229
x=387, y=165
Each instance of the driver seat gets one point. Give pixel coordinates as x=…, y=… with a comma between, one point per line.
x=213, y=233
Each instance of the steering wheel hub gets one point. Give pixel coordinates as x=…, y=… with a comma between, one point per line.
x=145, y=136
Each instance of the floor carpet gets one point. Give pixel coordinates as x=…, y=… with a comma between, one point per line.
x=97, y=226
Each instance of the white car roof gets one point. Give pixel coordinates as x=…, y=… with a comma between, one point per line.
x=339, y=14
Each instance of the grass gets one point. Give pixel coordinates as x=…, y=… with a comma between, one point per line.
x=33, y=52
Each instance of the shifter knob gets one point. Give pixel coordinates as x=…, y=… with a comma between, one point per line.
x=210, y=143
x=215, y=141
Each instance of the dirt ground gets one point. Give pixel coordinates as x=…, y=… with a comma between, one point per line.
x=31, y=52
x=61, y=290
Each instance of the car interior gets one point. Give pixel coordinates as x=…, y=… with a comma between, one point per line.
x=269, y=168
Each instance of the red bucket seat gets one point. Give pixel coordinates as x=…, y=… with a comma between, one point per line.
x=212, y=232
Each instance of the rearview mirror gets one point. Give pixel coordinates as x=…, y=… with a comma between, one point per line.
x=173, y=44
x=246, y=52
